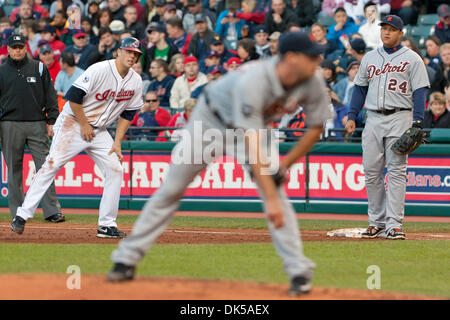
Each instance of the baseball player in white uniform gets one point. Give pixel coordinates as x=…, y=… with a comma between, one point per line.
x=106, y=91
x=392, y=82
x=248, y=98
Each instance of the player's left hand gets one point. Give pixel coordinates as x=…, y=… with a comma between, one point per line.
x=117, y=149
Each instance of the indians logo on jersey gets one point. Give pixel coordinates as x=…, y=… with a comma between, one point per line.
x=374, y=71
x=123, y=95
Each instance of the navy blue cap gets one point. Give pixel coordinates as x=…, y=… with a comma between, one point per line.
x=212, y=53
x=394, y=21
x=49, y=28
x=7, y=33
x=45, y=48
x=215, y=69
x=200, y=17
x=261, y=29
x=358, y=45
x=156, y=26
x=299, y=42
x=217, y=40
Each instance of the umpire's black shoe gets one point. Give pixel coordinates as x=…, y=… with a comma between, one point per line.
x=299, y=285
x=121, y=272
x=18, y=224
x=58, y=217
x=110, y=232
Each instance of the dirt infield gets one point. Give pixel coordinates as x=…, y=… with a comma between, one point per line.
x=95, y=287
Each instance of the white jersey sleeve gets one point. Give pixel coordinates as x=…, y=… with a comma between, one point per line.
x=88, y=79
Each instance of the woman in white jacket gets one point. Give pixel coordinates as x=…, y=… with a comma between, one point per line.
x=370, y=30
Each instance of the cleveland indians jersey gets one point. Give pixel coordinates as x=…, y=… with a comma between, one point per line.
x=392, y=78
x=107, y=93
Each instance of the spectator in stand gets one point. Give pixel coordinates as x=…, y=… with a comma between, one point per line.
x=279, y=17
x=344, y=87
x=106, y=48
x=5, y=23
x=145, y=78
x=246, y=50
x=195, y=8
x=329, y=72
x=442, y=78
x=116, y=27
x=340, y=110
x=185, y=84
x=355, y=10
x=149, y=12
x=135, y=3
x=86, y=24
x=38, y=11
x=319, y=33
x=252, y=17
x=117, y=10
x=81, y=49
x=160, y=8
x=342, y=29
x=217, y=44
x=408, y=42
x=160, y=48
x=180, y=119
x=262, y=42
x=233, y=64
x=329, y=6
x=442, y=28
x=62, y=27
x=342, y=58
x=68, y=74
x=31, y=31
x=305, y=12
x=150, y=115
x=47, y=56
x=133, y=24
x=370, y=30
x=24, y=14
x=274, y=43
x=214, y=73
x=437, y=116
x=432, y=57
x=229, y=26
x=104, y=19
x=211, y=59
x=162, y=81
x=48, y=33
x=405, y=9
x=176, y=66
x=202, y=39
x=92, y=9
x=177, y=35
x=447, y=97
x=171, y=12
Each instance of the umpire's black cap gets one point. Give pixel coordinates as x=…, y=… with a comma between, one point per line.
x=300, y=42
x=16, y=40
x=393, y=21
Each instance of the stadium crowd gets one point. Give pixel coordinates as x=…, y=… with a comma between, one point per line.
x=189, y=43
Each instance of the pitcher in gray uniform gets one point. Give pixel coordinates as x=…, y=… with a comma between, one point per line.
x=248, y=98
x=392, y=82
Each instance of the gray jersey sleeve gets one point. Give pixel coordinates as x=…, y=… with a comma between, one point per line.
x=361, y=78
x=418, y=73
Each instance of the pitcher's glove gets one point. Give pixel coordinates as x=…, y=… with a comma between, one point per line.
x=410, y=140
x=280, y=177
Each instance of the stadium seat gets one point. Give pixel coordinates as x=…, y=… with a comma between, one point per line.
x=8, y=9
x=326, y=21
x=427, y=19
x=419, y=41
x=422, y=31
x=407, y=30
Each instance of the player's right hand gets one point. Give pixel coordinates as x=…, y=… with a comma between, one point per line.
x=275, y=213
x=87, y=132
x=350, y=127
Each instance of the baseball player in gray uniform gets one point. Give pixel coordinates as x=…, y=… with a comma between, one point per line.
x=392, y=82
x=248, y=98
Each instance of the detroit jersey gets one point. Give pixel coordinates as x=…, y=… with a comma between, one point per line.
x=392, y=77
x=107, y=93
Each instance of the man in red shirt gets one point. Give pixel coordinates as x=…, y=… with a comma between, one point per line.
x=47, y=56
x=49, y=33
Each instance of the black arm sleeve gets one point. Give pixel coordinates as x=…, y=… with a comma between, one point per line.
x=51, y=101
x=75, y=94
x=128, y=114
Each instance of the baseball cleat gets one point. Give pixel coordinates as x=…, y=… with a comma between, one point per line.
x=396, y=234
x=58, y=217
x=372, y=232
x=110, y=232
x=18, y=225
x=121, y=272
x=299, y=285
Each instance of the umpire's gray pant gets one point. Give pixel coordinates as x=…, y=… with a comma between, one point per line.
x=14, y=136
x=158, y=211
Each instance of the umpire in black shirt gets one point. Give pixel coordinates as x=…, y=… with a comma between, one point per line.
x=28, y=110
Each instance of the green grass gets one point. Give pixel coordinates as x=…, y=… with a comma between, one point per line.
x=244, y=223
x=419, y=267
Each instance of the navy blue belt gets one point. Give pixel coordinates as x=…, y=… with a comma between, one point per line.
x=387, y=112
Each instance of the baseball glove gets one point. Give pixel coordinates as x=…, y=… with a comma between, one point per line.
x=410, y=140
x=279, y=177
